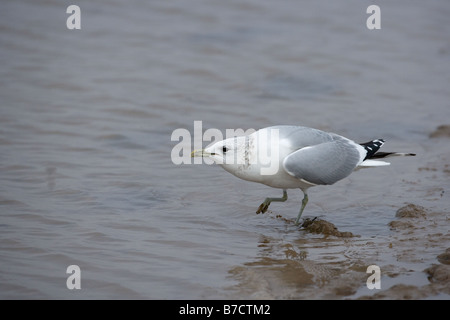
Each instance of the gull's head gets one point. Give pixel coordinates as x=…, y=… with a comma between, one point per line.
x=248, y=157
x=229, y=152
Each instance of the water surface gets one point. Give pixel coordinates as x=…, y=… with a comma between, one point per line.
x=86, y=118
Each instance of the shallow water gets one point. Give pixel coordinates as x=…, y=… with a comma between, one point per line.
x=86, y=118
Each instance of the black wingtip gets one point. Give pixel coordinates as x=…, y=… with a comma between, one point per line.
x=380, y=155
x=372, y=147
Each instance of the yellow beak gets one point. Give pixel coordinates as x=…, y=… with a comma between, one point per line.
x=200, y=153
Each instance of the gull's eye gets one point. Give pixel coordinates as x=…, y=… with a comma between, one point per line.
x=224, y=149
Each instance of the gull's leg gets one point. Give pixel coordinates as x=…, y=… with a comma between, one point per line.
x=304, y=202
x=265, y=205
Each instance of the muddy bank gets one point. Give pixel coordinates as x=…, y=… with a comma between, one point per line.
x=327, y=263
x=409, y=224
x=438, y=276
x=324, y=227
x=441, y=131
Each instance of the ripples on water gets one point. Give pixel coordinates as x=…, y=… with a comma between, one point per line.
x=86, y=119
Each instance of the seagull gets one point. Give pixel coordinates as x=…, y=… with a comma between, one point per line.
x=291, y=157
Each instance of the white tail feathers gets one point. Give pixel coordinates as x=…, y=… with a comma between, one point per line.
x=378, y=163
x=374, y=163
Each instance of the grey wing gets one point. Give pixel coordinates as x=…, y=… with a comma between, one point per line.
x=324, y=163
x=302, y=136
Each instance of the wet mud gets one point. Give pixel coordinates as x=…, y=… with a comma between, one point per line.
x=443, y=131
x=328, y=263
x=324, y=227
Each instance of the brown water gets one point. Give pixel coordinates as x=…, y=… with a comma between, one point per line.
x=86, y=178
